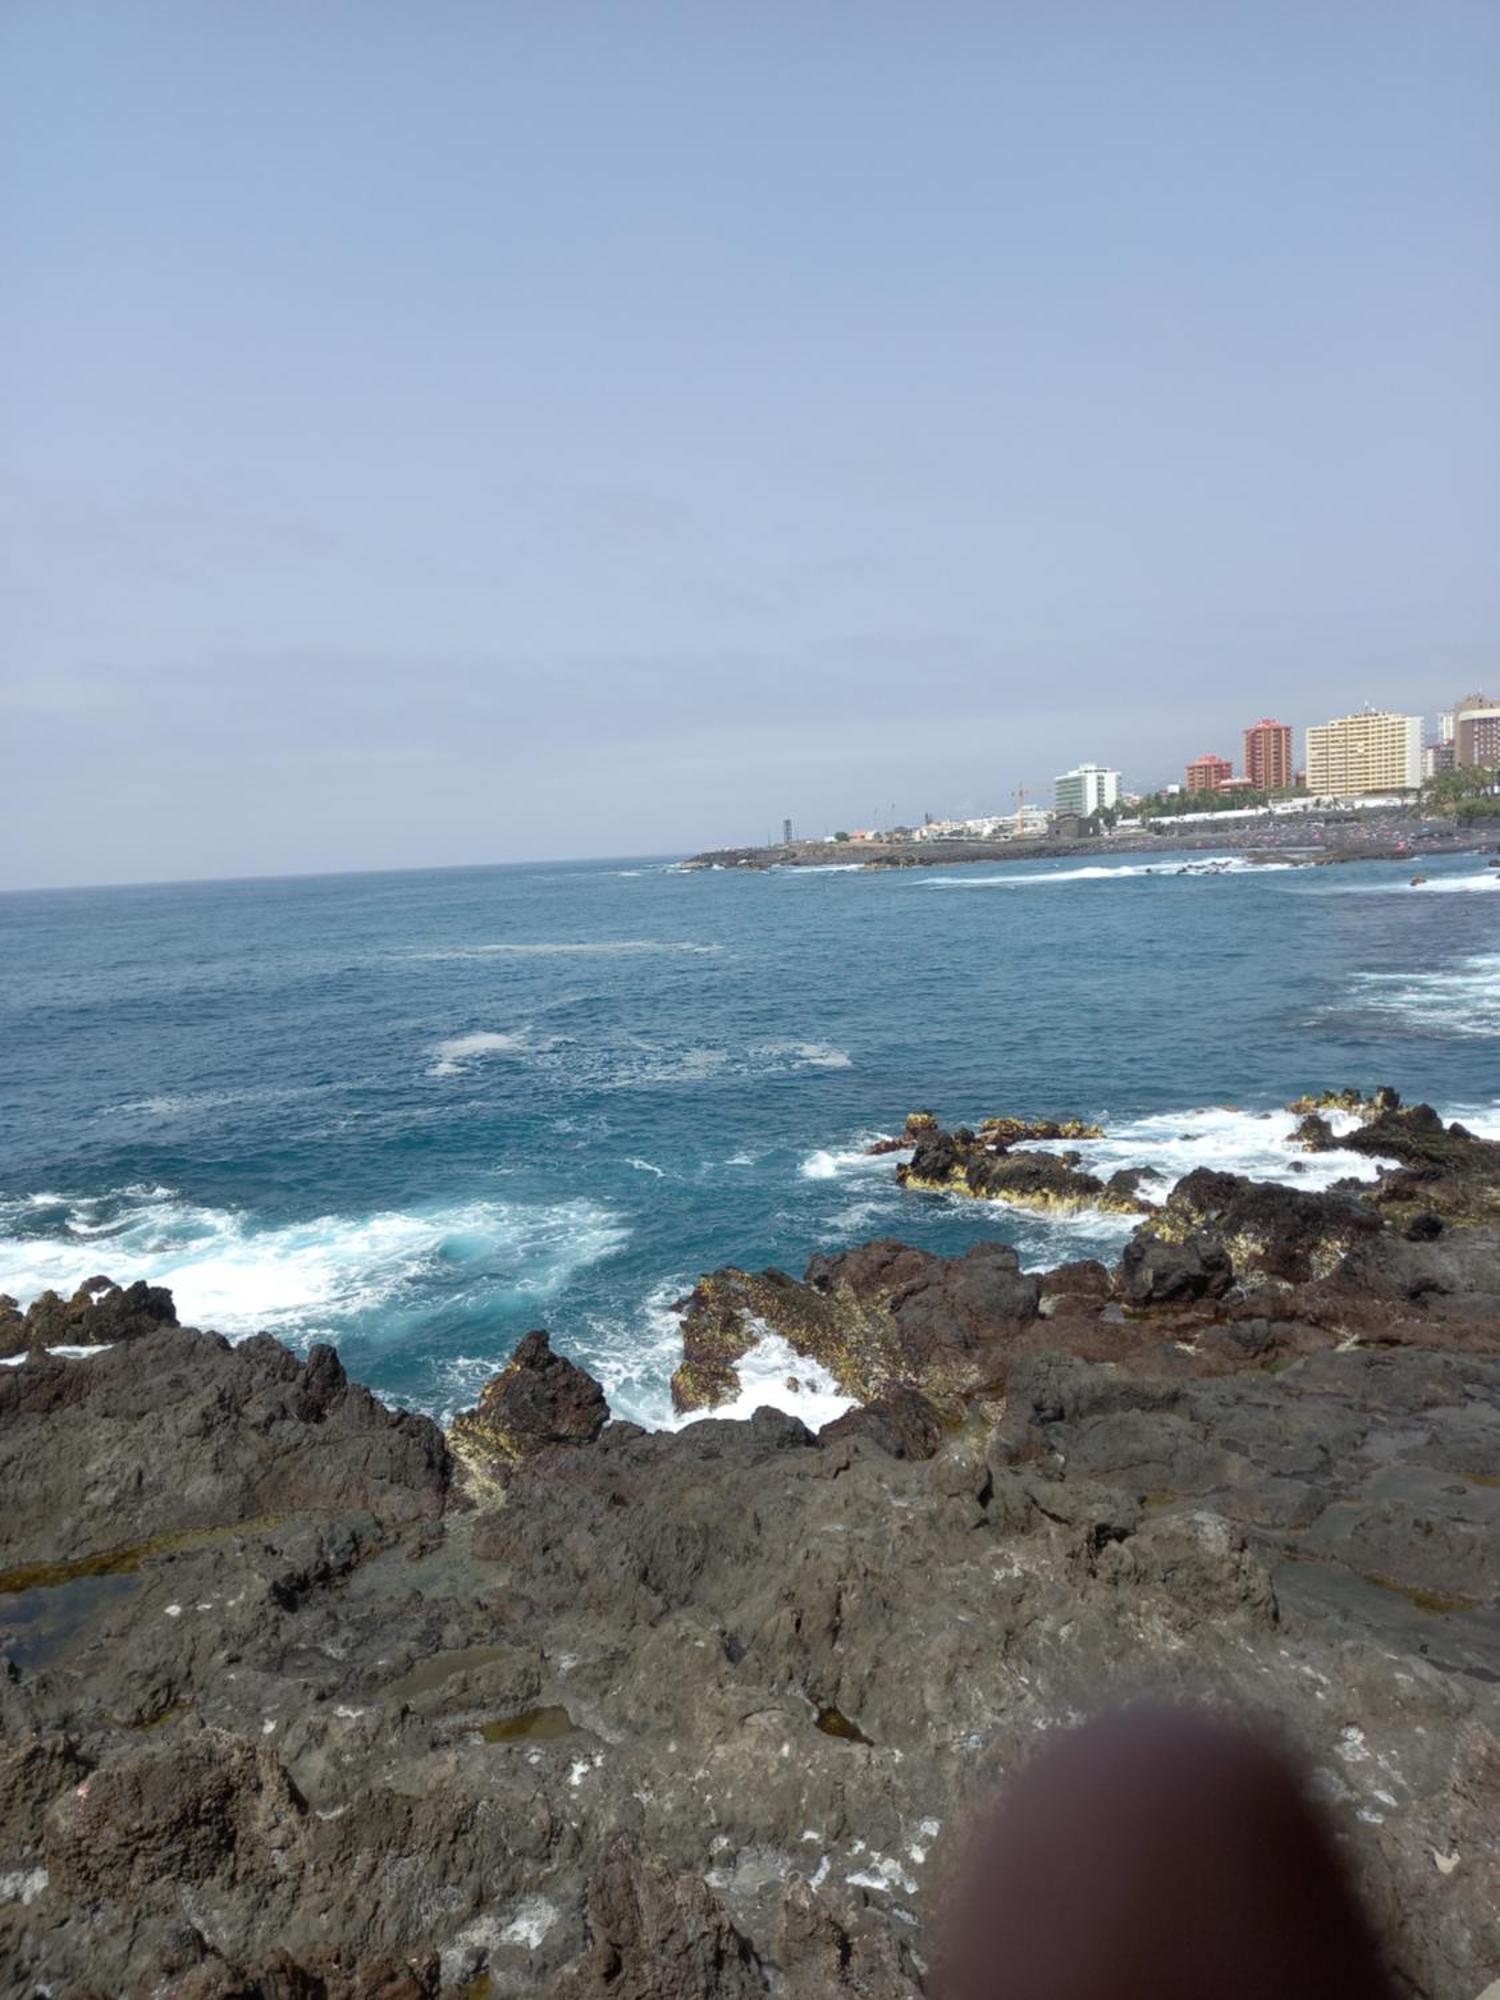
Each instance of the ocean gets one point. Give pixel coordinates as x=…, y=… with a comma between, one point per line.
x=417, y=1114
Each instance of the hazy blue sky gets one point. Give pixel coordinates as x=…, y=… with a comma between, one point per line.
x=459, y=432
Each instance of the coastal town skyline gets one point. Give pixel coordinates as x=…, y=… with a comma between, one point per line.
x=1367, y=752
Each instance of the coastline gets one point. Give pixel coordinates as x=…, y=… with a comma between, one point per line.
x=302, y=1688
x=1343, y=844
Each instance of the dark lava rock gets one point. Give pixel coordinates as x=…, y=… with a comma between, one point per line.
x=98, y=1314
x=901, y=1422
x=879, y=1317
x=294, y=1706
x=1158, y=1271
x=658, y=1936
x=1266, y=1230
x=537, y=1401
x=188, y=1434
x=962, y=1162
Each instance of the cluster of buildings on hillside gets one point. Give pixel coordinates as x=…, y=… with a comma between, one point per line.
x=1374, y=754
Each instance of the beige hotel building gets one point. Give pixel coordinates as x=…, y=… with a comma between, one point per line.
x=1358, y=754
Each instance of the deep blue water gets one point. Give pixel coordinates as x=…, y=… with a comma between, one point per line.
x=418, y=1113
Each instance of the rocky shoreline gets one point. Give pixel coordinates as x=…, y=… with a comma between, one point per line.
x=302, y=1697
x=1279, y=843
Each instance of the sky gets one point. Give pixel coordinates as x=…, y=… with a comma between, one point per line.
x=455, y=431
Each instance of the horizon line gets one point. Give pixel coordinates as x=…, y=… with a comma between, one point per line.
x=326, y=874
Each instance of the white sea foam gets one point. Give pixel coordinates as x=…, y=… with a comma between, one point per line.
x=642, y=1065
x=1171, y=1144
x=1448, y=885
x=1487, y=880
x=1039, y=876
x=634, y=1361
x=766, y=1374
x=835, y=1163
x=595, y=948
x=647, y=1167
x=801, y=1055
x=820, y=868
x=459, y=1051
x=176, y=1104
x=1167, y=1145
x=69, y=1351
x=229, y=1272
x=1458, y=999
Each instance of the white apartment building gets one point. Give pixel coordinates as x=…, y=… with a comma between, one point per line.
x=1087, y=789
x=1374, y=751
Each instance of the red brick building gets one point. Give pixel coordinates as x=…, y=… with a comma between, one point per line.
x=1208, y=773
x=1268, y=756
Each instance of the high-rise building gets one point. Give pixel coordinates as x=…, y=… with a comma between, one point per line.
x=1087, y=789
x=1355, y=755
x=1476, y=733
x=1268, y=755
x=1208, y=773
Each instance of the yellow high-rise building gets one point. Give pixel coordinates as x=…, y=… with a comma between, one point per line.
x=1359, y=754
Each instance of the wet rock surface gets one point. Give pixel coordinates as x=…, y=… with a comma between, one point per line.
x=987, y=1166
x=296, y=1702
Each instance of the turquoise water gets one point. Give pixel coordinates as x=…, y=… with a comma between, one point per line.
x=419, y=1113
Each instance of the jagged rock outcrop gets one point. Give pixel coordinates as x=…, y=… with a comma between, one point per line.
x=538, y=1400
x=1264, y=1230
x=985, y=1166
x=877, y=1317
x=188, y=1436
x=99, y=1313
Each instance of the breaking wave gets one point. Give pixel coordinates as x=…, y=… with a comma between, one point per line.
x=1036, y=876
x=1458, y=999
x=235, y=1274
x=1448, y=885
x=1166, y=1144
x=456, y=1054
x=634, y=1360
x=1174, y=1143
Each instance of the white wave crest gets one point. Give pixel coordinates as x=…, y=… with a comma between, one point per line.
x=596, y=948
x=1166, y=1145
x=1458, y=999
x=1171, y=1144
x=229, y=1272
x=1485, y=882
x=455, y=1054
x=834, y=1163
x=1038, y=875
x=1449, y=885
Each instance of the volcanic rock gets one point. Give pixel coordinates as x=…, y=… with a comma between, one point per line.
x=99, y=1313
x=961, y=1162
x=876, y=1318
x=539, y=1400
x=292, y=1704
x=1265, y=1230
